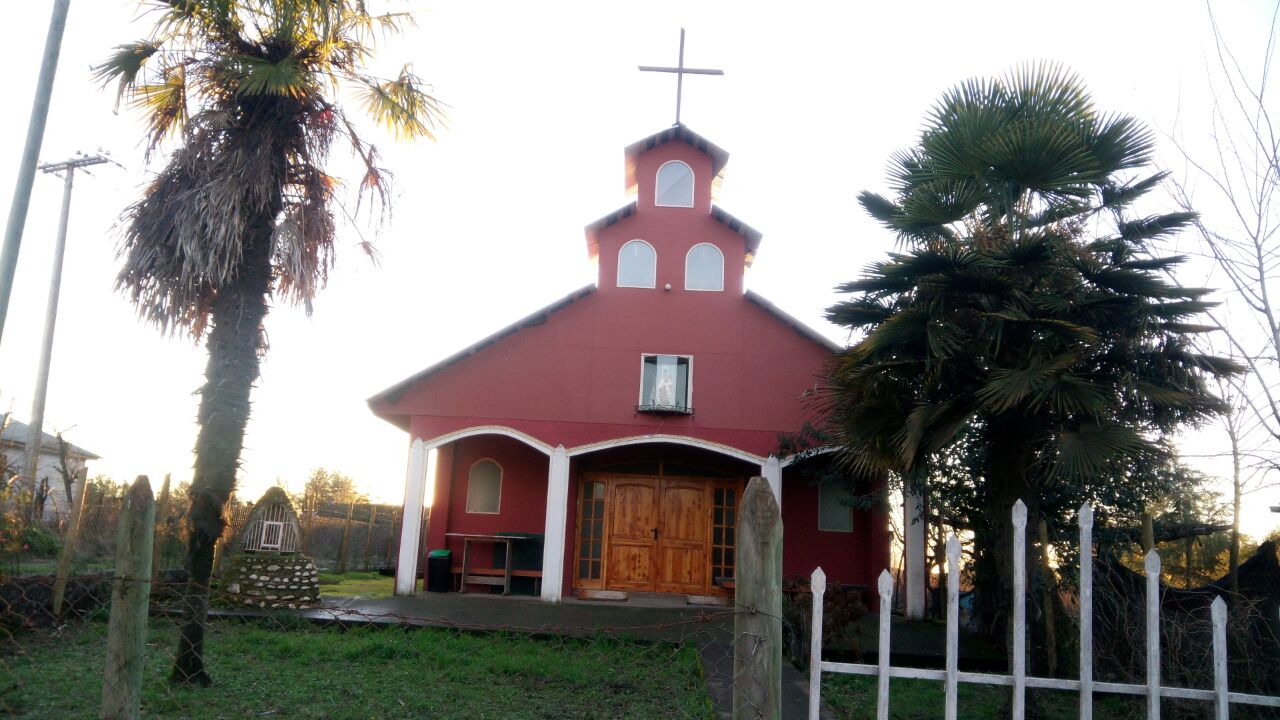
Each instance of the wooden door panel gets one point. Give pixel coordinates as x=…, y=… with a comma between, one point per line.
x=682, y=569
x=633, y=511
x=630, y=567
x=633, y=517
x=683, y=514
x=682, y=537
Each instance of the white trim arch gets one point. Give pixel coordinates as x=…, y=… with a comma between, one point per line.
x=791, y=459
x=689, y=255
x=657, y=185
x=674, y=440
x=653, y=264
x=525, y=438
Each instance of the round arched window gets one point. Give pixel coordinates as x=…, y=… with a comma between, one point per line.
x=675, y=185
x=704, y=268
x=484, y=488
x=637, y=265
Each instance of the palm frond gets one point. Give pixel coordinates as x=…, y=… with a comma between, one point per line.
x=857, y=313
x=1115, y=196
x=403, y=106
x=880, y=208
x=930, y=427
x=1121, y=142
x=164, y=103
x=124, y=65
x=1143, y=230
x=1093, y=447
x=259, y=76
x=1154, y=263
x=1069, y=394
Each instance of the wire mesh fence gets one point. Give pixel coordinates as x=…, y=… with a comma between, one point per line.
x=339, y=537
x=114, y=620
x=446, y=657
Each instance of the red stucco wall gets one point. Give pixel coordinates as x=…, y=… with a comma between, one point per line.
x=575, y=379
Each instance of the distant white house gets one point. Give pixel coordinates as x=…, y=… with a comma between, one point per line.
x=13, y=443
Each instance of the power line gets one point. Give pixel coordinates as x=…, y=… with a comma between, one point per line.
x=36, y=425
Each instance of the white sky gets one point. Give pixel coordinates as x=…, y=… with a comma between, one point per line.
x=487, y=224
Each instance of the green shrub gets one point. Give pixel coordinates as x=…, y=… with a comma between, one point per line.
x=842, y=609
x=40, y=542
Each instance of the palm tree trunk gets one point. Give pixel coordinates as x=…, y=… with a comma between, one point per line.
x=1008, y=469
x=234, y=344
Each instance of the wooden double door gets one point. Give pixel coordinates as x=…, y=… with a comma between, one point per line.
x=660, y=534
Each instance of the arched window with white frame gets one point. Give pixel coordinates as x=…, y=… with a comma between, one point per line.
x=484, y=488
x=675, y=185
x=704, y=268
x=637, y=265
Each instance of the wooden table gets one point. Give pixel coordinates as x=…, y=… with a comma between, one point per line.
x=467, y=578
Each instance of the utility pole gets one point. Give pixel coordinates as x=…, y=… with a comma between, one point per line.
x=51, y=314
x=31, y=151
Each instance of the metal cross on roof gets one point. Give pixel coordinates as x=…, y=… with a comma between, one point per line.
x=680, y=71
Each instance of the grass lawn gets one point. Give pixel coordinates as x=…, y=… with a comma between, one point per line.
x=325, y=672
x=49, y=566
x=364, y=584
x=853, y=697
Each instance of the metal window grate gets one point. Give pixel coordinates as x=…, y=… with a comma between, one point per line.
x=272, y=534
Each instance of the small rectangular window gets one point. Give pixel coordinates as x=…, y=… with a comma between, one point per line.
x=665, y=384
x=835, y=507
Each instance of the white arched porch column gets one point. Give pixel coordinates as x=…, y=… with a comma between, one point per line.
x=771, y=471
x=553, y=534
x=913, y=527
x=415, y=486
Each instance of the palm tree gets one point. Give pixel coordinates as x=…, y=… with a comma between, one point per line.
x=242, y=210
x=1025, y=325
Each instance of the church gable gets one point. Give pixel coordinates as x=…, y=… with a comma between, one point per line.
x=664, y=151
x=666, y=339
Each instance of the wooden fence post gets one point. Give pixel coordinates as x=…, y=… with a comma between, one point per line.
x=392, y=533
x=308, y=521
x=757, y=625
x=368, y=535
x=67, y=554
x=130, y=594
x=344, y=546
x=162, y=517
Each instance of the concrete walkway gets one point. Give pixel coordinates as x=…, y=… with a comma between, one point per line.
x=709, y=628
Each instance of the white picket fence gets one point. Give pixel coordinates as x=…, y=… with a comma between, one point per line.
x=1220, y=695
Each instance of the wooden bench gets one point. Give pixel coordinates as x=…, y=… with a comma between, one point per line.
x=493, y=576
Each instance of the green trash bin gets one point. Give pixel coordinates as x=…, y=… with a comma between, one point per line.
x=439, y=569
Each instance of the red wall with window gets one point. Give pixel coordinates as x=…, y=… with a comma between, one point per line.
x=523, y=505
x=855, y=557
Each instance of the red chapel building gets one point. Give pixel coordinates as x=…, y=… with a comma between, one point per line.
x=615, y=429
